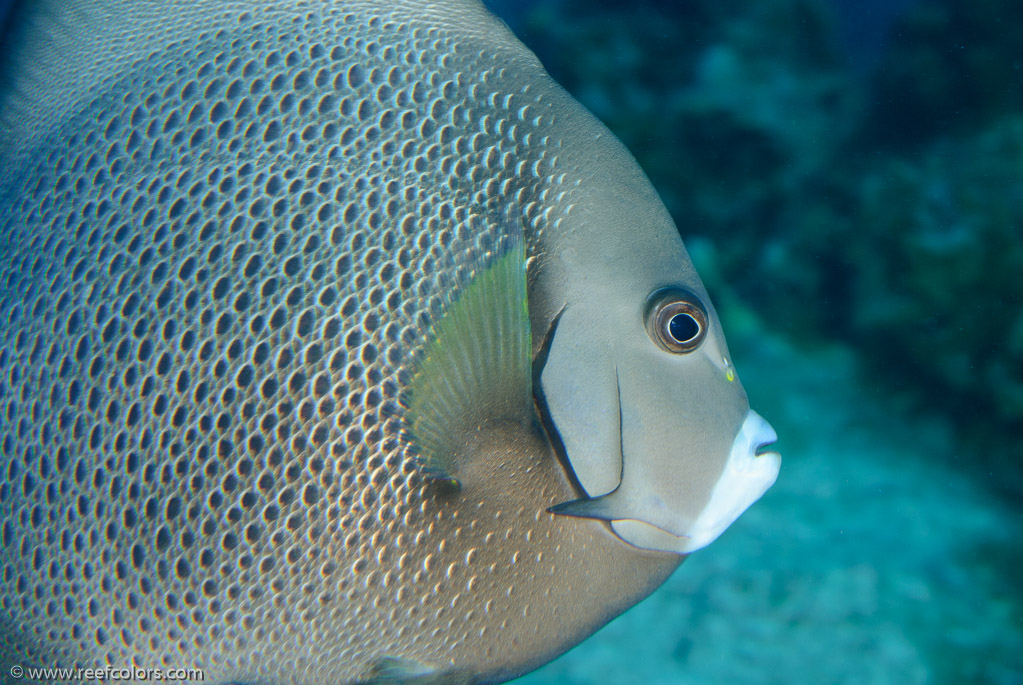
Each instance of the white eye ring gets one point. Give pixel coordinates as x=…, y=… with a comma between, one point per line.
x=677, y=321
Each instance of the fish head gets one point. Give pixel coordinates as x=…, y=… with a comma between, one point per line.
x=637, y=381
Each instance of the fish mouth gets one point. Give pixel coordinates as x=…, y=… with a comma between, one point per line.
x=751, y=469
x=765, y=437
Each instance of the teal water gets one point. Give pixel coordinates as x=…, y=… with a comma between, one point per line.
x=869, y=561
x=849, y=179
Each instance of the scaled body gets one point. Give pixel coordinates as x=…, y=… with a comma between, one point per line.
x=229, y=228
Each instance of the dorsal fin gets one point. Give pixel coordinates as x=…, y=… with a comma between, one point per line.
x=476, y=369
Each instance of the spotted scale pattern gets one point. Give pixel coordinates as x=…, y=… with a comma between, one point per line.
x=219, y=264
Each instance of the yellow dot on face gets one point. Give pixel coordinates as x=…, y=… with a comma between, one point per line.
x=729, y=371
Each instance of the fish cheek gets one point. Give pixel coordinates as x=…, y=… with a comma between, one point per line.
x=679, y=419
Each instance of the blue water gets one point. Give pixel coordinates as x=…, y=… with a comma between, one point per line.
x=864, y=26
x=889, y=549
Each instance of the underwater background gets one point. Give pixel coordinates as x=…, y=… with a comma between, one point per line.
x=848, y=177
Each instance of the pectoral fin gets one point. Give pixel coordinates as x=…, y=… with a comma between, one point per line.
x=477, y=368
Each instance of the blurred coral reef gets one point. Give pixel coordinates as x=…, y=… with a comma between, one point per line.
x=882, y=208
x=848, y=178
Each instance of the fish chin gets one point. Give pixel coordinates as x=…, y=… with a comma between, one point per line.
x=746, y=476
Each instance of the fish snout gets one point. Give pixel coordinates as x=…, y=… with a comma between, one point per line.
x=759, y=434
x=648, y=520
x=750, y=470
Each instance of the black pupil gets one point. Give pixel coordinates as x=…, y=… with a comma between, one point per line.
x=683, y=327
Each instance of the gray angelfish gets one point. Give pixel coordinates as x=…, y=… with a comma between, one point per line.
x=337, y=344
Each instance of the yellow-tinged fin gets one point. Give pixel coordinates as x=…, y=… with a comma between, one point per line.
x=476, y=369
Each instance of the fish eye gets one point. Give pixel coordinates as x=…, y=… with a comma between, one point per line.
x=677, y=321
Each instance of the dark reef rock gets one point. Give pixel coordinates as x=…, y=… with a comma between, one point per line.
x=953, y=65
x=939, y=270
x=726, y=104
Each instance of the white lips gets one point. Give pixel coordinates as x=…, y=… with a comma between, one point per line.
x=746, y=476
